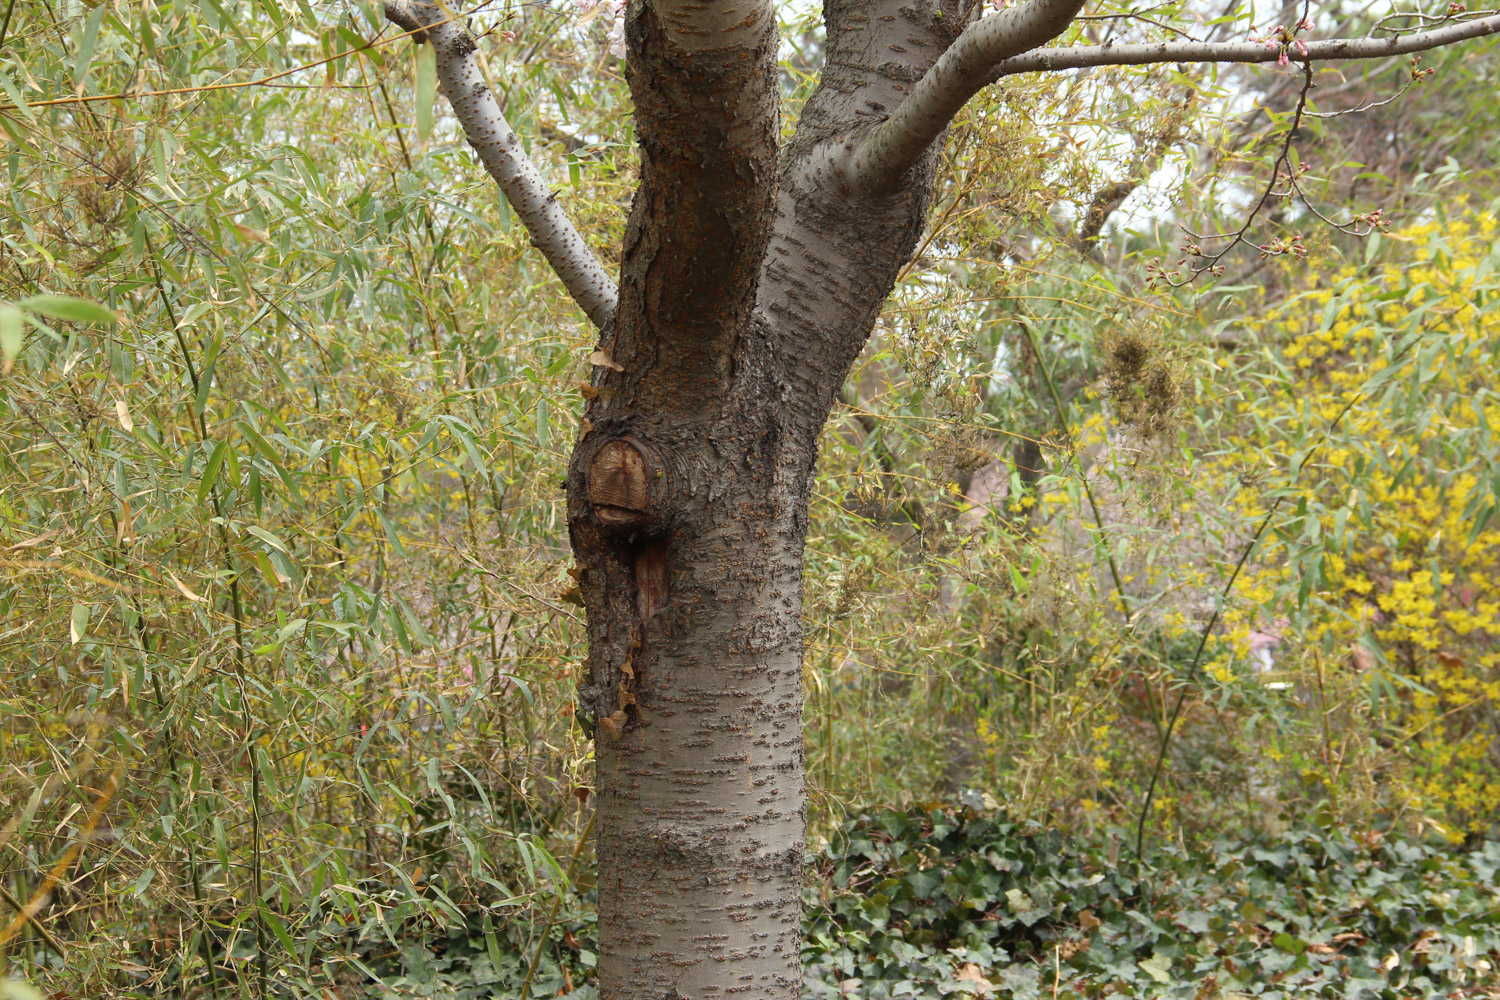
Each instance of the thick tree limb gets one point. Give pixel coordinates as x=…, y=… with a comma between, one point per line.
x=502, y=154
x=1326, y=50
x=959, y=74
x=704, y=80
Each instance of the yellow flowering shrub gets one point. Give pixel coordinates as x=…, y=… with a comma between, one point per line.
x=1377, y=577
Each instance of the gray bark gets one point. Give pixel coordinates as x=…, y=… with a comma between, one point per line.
x=1318, y=50
x=750, y=280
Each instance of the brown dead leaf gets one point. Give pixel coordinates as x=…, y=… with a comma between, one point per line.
x=185, y=591
x=251, y=235
x=971, y=973
x=45, y=536
x=603, y=360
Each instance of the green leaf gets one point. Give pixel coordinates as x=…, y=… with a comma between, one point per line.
x=268, y=538
x=211, y=471
x=12, y=334
x=66, y=307
x=142, y=881
x=15, y=95
x=79, y=623
x=1158, y=967
x=279, y=929
x=426, y=88
x=392, y=535
x=86, y=44
x=1195, y=921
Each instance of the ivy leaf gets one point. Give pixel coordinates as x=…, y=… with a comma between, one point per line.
x=1195, y=921
x=1158, y=967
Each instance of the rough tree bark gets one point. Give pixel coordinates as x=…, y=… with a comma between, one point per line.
x=750, y=280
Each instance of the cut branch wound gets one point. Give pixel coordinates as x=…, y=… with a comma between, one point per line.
x=627, y=486
x=627, y=490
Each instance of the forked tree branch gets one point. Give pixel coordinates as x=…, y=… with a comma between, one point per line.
x=959, y=73
x=1326, y=50
x=502, y=154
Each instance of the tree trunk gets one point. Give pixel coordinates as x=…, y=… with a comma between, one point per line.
x=688, y=497
x=696, y=654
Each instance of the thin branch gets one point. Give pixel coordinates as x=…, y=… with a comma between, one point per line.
x=1202, y=260
x=1078, y=57
x=264, y=81
x=959, y=74
x=502, y=154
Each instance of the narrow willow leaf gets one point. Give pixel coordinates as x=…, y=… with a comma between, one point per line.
x=279, y=929
x=78, y=625
x=426, y=88
x=12, y=334
x=66, y=307
x=86, y=45
x=211, y=470
x=15, y=95
x=268, y=538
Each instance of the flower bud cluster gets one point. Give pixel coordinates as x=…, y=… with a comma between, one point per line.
x=1280, y=246
x=1285, y=39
